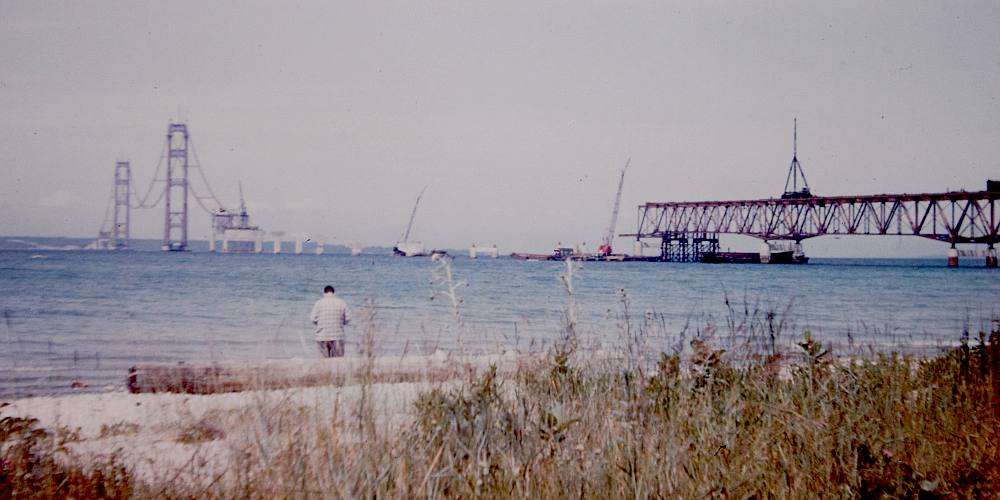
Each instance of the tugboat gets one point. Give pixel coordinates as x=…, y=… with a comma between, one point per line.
x=558, y=253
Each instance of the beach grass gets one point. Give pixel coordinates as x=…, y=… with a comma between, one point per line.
x=573, y=425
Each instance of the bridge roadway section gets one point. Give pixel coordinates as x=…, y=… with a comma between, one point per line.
x=957, y=217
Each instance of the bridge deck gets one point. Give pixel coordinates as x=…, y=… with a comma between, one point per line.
x=954, y=217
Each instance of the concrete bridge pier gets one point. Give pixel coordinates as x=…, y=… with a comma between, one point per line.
x=765, y=252
x=952, y=257
x=797, y=252
x=991, y=257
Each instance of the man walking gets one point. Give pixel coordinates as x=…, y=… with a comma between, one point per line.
x=330, y=314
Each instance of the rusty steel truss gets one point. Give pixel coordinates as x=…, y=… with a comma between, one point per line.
x=953, y=217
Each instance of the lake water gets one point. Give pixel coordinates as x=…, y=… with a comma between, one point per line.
x=78, y=316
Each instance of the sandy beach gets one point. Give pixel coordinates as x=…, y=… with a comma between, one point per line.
x=190, y=437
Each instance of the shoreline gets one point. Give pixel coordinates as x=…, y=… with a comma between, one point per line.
x=495, y=417
x=157, y=431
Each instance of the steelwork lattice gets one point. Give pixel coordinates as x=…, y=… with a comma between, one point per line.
x=953, y=217
x=123, y=215
x=175, y=227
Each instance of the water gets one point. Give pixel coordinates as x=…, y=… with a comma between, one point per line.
x=85, y=317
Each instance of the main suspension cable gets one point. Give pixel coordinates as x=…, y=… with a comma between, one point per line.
x=199, y=199
x=201, y=172
x=141, y=203
x=107, y=222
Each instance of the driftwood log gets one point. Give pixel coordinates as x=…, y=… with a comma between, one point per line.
x=234, y=376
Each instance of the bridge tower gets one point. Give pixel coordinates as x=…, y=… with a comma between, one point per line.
x=175, y=227
x=123, y=194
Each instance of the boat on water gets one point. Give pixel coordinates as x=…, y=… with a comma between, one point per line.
x=531, y=256
x=415, y=249
x=407, y=248
x=775, y=257
x=788, y=257
x=559, y=253
x=564, y=253
x=580, y=253
x=769, y=254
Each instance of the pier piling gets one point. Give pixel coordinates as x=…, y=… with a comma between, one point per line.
x=952, y=257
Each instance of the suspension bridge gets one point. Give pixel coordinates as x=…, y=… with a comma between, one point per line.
x=174, y=187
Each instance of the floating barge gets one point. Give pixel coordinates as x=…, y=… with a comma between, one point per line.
x=563, y=253
x=784, y=257
x=682, y=247
x=708, y=258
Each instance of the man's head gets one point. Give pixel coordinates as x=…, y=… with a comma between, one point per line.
x=328, y=289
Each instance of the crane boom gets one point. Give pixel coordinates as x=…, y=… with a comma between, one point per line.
x=244, y=217
x=413, y=214
x=795, y=170
x=243, y=206
x=610, y=235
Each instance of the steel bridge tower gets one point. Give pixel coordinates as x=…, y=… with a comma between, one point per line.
x=123, y=195
x=176, y=217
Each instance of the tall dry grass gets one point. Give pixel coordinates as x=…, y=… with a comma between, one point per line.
x=888, y=426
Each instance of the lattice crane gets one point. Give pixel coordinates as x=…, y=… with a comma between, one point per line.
x=609, y=236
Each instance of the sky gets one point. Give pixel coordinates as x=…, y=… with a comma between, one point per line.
x=517, y=116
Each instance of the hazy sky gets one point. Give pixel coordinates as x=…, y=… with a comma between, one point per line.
x=517, y=115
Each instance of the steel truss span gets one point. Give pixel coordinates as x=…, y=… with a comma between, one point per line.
x=955, y=217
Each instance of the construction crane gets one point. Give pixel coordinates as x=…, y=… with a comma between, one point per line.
x=406, y=235
x=404, y=247
x=605, y=248
x=244, y=217
x=795, y=171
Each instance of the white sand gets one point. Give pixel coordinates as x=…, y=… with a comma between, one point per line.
x=146, y=430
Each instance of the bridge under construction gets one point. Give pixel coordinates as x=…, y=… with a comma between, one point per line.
x=957, y=217
x=689, y=231
x=175, y=188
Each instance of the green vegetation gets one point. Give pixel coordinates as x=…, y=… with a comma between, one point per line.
x=887, y=426
x=702, y=426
